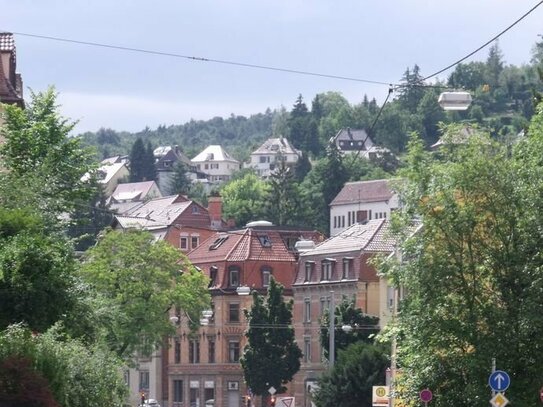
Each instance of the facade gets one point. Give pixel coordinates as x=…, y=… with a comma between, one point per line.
x=216, y=164
x=111, y=172
x=184, y=224
x=204, y=366
x=267, y=157
x=166, y=158
x=337, y=268
x=361, y=201
x=357, y=141
x=11, y=84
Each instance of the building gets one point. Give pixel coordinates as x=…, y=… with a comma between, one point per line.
x=130, y=195
x=361, y=201
x=338, y=267
x=11, y=84
x=166, y=159
x=184, y=224
x=265, y=159
x=205, y=365
x=357, y=141
x=216, y=163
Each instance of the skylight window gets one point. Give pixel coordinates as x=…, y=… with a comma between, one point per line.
x=265, y=240
x=218, y=242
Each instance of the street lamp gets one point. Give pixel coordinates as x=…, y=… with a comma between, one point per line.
x=454, y=100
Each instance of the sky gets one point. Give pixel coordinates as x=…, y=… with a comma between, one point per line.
x=375, y=40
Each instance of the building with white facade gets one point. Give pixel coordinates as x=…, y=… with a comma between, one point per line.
x=357, y=141
x=361, y=201
x=216, y=163
x=266, y=158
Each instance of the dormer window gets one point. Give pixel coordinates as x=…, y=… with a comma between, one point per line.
x=326, y=269
x=308, y=270
x=218, y=242
x=213, y=270
x=266, y=274
x=233, y=277
x=265, y=240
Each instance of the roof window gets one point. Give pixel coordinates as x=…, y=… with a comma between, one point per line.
x=265, y=240
x=218, y=242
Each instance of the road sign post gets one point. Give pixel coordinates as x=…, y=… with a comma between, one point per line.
x=426, y=396
x=499, y=381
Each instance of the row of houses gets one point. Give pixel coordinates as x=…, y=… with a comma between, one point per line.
x=194, y=369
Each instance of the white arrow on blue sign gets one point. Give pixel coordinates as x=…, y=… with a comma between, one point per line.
x=499, y=381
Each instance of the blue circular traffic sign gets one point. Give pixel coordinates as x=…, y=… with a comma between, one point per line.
x=499, y=381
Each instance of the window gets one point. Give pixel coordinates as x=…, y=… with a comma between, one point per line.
x=233, y=277
x=213, y=270
x=347, y=265
x=209, y=391
x=214, y=166
x=307, y=310
x=178, y=391
x=194, y=240
x=307, y=349
x=194, y=351
x=184, y=242
x=218, y=242
x=335, y=221
x=194, y=393
x=343, y=221
x=326, y=270
x=325, y=305
x=206, y=166
x=177, y=351
x=308, y=270
x=266, y=273
x=233, y=312
x=233, y=351
x=265, y=240
x=144, y=380
x=195, y=209
x=127, y=377
x=263, y=159
x=211, y=349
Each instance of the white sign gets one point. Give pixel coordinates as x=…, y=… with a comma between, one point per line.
x=272, y=390
x=285, y=401
x=499, y=400
x=380, y=396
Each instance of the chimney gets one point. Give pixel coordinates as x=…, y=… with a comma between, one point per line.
x=214, y=207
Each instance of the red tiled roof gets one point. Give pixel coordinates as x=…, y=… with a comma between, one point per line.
x=363, y=191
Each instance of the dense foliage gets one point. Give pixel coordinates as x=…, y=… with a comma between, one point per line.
x=474, y=270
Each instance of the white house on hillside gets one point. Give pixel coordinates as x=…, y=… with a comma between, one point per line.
x=357, y=141
x=265, y=159
x=361, y=201
x=216, y=163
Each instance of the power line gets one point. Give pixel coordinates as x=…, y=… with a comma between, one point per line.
x=485, y=44
x=202, y=59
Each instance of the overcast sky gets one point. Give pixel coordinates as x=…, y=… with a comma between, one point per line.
x=368, y=39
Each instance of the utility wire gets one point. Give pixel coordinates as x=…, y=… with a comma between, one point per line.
x=485, y=44
x=202, y=59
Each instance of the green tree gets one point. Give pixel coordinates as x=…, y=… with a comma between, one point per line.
x=364, y=327
x=39, y=151
x=283, y=199
x=180, y=183
x=149, y=163
x=49, y=370
x=137, y=161
x=411, y=92
x=431, y=114
x=271, y=356
x=137, y=281
x=350, y=384
x=473, y=272
x=244, y=199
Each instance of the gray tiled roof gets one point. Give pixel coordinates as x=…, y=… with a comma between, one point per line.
x=363, y=191
x=357, y=237
x=275, y=146
x=160, y=211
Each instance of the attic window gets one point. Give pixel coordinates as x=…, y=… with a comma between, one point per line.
x=218, y=242
x=265, y=240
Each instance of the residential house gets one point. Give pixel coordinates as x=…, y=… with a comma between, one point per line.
x=338, y=267
x=11, y=84
x=357, y=141
x=205, y=366
x=184, y=224
x=111, y=172
x=166, y=159
x=216, y=163
x=265, y=159
x=361, y=201
x=130, y=195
